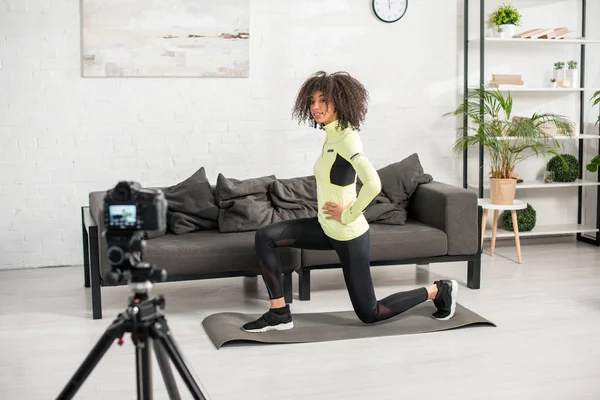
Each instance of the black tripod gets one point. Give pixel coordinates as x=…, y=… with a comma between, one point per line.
x=144, y=319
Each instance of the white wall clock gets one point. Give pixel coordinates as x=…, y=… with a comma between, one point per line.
x=390, y=10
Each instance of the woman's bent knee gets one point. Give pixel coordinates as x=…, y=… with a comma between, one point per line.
x=367, y=316
x=264, y=236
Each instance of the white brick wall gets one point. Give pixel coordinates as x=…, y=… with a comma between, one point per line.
x=62, y=136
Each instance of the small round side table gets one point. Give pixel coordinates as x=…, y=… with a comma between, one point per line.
x=486, y=204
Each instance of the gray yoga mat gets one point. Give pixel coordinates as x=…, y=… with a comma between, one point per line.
x=225, y=328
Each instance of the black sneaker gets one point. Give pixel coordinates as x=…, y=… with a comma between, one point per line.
x=445, y=300
x=271, y=321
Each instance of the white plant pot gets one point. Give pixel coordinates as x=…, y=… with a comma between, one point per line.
x=572, y=76
x=560, y=75
x=506, y=31
x=553, y=85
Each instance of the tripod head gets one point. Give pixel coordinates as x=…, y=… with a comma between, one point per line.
x=124, y=254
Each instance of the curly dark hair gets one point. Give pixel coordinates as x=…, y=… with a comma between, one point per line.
x=348, y=95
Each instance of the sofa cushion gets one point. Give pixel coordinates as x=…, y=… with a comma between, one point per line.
x=244, y=204
x=206, y=252
x=390, y=243
x=294, y=198
x=192, y=205
x=399, y=181
x=250, y=204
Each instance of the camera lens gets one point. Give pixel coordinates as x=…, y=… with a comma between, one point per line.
x=116, y=256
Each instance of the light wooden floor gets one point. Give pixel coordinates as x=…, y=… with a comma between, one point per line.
x=546, y=345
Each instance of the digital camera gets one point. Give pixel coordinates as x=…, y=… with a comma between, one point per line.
x=129, y=213
x=128, y=207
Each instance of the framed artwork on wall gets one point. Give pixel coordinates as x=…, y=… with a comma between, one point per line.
x=186, y=38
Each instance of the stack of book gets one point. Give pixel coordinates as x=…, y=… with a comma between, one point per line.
x=543, y=33
x=502, y=80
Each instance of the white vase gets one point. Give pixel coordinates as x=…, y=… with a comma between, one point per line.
x=506, y=31
x=560, y=75
x=572, y=76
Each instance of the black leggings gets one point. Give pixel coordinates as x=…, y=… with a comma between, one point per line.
x=354, y=255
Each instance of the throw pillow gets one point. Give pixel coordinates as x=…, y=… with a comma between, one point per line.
x=382, y=211
x=244, y=205
x=400, y=180
x=192, y=205
x=294, y=198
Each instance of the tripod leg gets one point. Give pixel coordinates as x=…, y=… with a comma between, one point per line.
x=114, y=331
x=160, y=331
x=143, y=366
x=165, y=370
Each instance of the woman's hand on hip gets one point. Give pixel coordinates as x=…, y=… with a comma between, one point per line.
x=335, y=210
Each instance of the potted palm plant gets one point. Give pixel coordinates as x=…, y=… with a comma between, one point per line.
x=508, y=139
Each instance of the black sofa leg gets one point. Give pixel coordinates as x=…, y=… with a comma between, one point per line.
x=95, y=274
x=304, y=284
x=474, y=274
x=86, y=252
x=287, y=287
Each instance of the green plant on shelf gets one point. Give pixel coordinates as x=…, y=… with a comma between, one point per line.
x=596, y=100
x=572, y=64
x=562, y=172
x=506, y=14
x=559, y=65
x=526, y=219
x=594, y=164
x=508, y=140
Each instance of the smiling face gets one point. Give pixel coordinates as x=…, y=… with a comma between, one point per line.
x=321, y=110
x=324, y=98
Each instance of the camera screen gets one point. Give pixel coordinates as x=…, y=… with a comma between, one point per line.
x=122, y=215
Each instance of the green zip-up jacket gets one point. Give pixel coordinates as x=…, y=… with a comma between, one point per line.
x=336, y=170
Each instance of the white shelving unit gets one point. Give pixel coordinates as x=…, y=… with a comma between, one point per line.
x=544, y=230
x=544, y=185
x=538, y=41
x=538, y=89
x=501, y=44
x=560, y=137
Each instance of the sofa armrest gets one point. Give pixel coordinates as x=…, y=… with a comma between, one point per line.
x=451, y=209
x=96, y=201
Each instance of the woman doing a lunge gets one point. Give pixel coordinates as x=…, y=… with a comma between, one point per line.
x=338, y=104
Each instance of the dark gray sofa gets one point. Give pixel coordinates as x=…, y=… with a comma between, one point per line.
x=441, y=223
